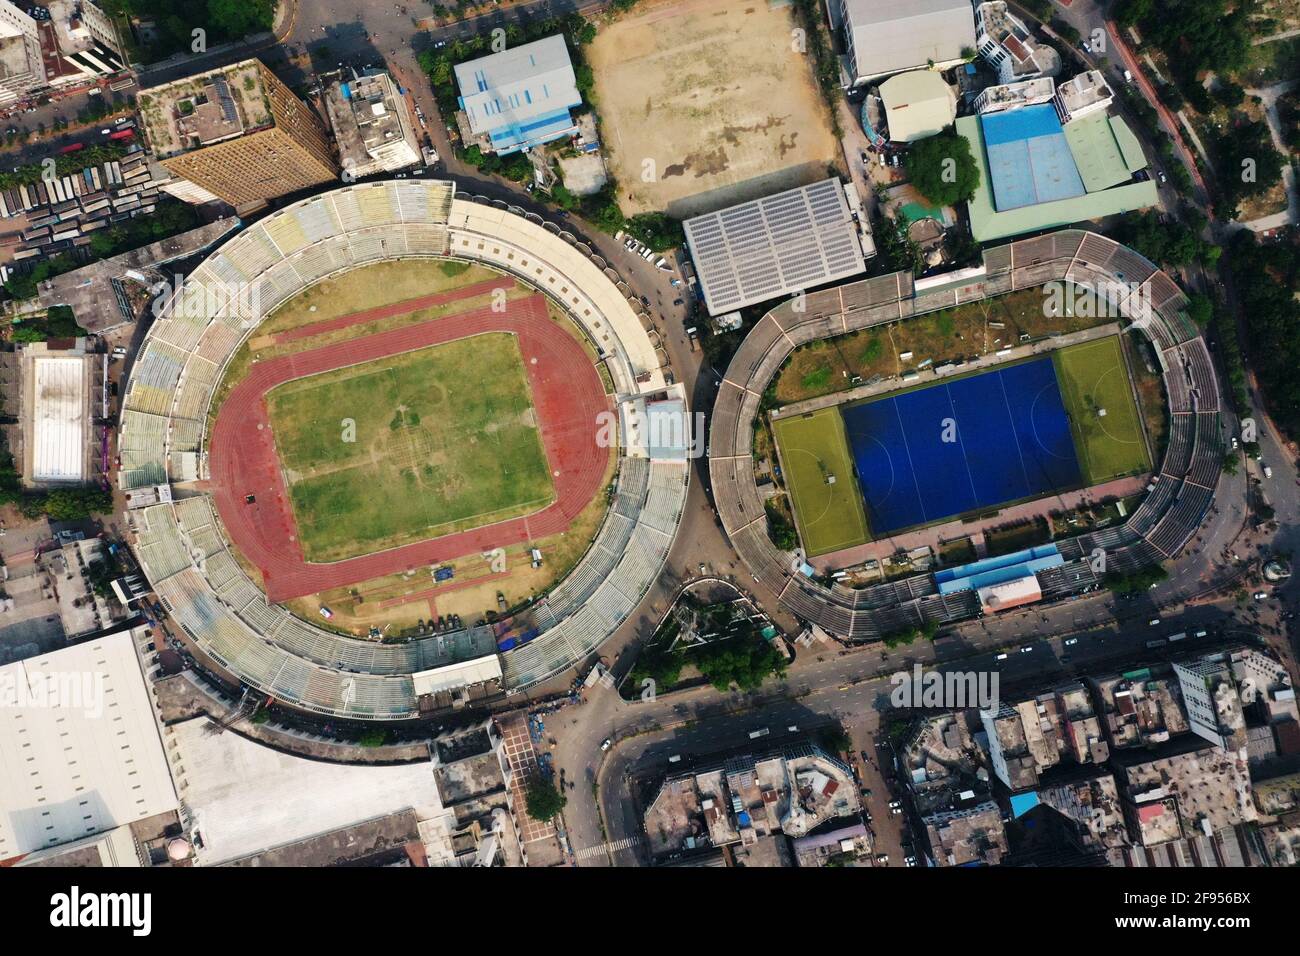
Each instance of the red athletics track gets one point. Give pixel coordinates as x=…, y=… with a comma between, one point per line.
x=387, y=311
x=567, y=394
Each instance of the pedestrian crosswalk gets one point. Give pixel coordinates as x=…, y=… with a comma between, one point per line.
x=625, y=844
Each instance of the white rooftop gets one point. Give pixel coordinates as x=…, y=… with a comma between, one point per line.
x=519, y=84
x=59, y=425
x=79, y=746
x=245, y=797
x=780, y=244
x=893, y=35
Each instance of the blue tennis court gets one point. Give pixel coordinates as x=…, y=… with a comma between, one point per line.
x=1009, y=439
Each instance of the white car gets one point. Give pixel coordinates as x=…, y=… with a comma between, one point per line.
x=606, y=744
x=1154, y=622
x=1002, y=657
x=326, y=612
x=1026, y=649
x=1071, y=642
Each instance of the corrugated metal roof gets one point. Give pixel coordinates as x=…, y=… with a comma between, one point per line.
x=774, y=246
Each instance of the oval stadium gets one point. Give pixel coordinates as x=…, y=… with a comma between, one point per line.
x=1178, y=499
x=487, y=426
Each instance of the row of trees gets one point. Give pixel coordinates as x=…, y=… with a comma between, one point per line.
x=1266, y=281
x=1170, y=243
x=220, y=20
x=1136, y=582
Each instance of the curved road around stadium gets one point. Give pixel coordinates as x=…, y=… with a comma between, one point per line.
x=567, y=395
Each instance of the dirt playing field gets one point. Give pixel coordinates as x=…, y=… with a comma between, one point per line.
x=713, y=93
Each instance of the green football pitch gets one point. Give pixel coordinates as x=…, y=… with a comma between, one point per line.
x=1094, y=379
x=410, y=447
x=819, y=476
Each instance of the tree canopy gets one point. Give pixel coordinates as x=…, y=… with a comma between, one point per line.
x=942, y=169
x=543, y=800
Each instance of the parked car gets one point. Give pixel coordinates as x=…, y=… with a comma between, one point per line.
x=326, y=612
x=1071, y=641
x=1002, y=657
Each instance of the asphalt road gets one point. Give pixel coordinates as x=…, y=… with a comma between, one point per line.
x=825, y=686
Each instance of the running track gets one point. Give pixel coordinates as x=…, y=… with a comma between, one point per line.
x=567, y=395
x=387, y=311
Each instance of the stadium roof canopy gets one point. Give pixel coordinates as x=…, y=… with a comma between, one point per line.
x=774, y=246
x=79, y=747
x=989, y=223
x=887, y=36
x=917, y=104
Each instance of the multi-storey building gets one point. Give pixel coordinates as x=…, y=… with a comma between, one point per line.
x=237, y=134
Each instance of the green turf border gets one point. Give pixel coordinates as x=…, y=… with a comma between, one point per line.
x=801, y=475
x=1122, y=458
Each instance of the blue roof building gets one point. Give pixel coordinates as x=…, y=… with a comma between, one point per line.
x=520, y=97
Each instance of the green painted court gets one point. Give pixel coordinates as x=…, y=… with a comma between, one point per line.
x=410, y=447
x=814, y=450
x=1093, y=376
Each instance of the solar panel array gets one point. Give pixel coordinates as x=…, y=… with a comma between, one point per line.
x=774, y=246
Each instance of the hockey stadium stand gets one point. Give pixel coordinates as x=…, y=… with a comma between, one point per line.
x=1158, y=529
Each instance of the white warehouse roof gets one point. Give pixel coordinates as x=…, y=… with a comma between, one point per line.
x=889, y=36
x=59, y=418
x=79, y=746
x=774, y=246
x=245, y=797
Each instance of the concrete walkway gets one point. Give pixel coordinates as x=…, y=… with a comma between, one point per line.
x=935, y=535
x=1270, y=95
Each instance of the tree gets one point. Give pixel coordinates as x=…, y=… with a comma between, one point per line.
x=1247, y=161
x=943, y=169
x=1137, y=582
x=543, y=800
x=779, y=530
x=835, y=739
x=1200, y=309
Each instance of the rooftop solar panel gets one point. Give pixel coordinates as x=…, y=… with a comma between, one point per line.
x=774, y=246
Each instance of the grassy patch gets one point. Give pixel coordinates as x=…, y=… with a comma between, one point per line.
x=814, y=450
x=1017, y=537
x=431, y=454
x=1107, y=431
